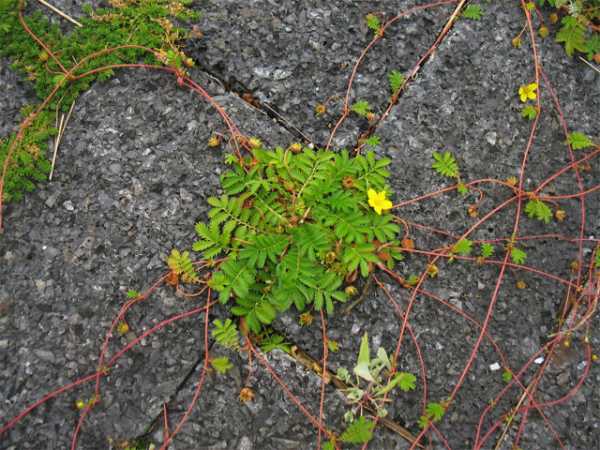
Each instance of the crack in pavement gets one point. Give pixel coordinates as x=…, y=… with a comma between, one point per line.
x=151, y=428
x=234, y=86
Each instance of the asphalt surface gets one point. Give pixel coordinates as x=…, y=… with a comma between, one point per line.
x=132, y=179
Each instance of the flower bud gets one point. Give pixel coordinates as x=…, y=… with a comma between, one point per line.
x=254, y=143
x=351, y=291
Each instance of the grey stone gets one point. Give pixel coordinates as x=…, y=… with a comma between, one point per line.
x=45, y=355
x=245, y=444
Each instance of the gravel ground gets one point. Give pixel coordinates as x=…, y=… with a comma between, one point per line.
x=133, y=176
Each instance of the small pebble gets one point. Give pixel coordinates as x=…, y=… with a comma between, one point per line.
x=245, y=444
x=494, y=367
x=563, y=378
x=44, y=355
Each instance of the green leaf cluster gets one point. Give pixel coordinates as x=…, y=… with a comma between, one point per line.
x=226, y=334
x=574, y=32
x=517, y=255
x=373, y=23
x=291, y=226
x=579, y=140
x=433, y=413
x=572, y=35
x=270, y=341
x=132, y=293
x=181, y=265
x=372, y=141
x=358, y=432
x=138, y=444
x=463, y=247
x=472, y=12
x=222, y=365
x=445, y=164
x=396, y=80
x=537, y=209
x=529, y=112
x=487, y=250
x=371, y=370
x=362, y=108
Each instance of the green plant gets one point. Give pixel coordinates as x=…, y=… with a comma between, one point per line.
x=445, y=164
x=380, y=377
x=362, y=108
x=270, y=341
x=373, y=23
x=463, y=247
x=517, y=255
x=145, y=24
x=360, y=431
x=292, y=226
x=433, y=413
x=373, y=141
x=529, y=112
x=182, y=267
x=132, y=293
x=572, y=35
x=579, y=141
x=221, y=365
x=487, y=250
x=472, y=12
x=396, y=80
x=537, y=209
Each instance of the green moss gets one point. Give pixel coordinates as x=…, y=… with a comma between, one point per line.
x=28, y=163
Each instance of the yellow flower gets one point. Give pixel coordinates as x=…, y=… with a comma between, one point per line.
x=378, y=201
x=527, y=92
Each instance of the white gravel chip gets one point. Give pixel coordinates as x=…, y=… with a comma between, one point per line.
x=494, y=367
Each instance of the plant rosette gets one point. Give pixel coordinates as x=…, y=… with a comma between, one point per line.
x=292, y=227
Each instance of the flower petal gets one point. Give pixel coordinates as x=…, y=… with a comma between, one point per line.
x=372, y=196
